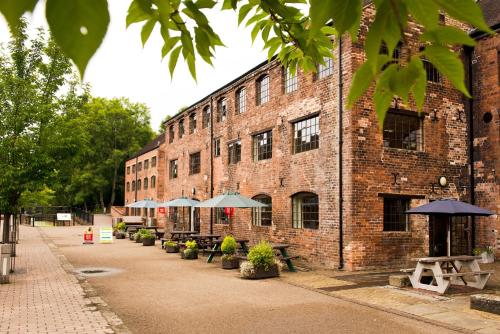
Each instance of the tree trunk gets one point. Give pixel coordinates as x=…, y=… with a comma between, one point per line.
x=113, y=186
x=101, y=199
x=6, y=228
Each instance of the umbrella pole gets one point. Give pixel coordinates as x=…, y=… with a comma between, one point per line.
x=448, y=237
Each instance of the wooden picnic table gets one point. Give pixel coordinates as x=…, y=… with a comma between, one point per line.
x=216, y=249
x=180, y=235
x=284, y=255
x=204, y=240
x=446, y=270
x=159, y=234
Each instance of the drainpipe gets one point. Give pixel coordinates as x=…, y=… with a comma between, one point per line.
x=469, y=52
x=340, y=161
x=135, y=192
x=211, y=163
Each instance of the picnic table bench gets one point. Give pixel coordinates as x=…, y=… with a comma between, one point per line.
x=216, y=249
x=282, y=248
x=135, y=228
x=180, y=235
x=446, y=270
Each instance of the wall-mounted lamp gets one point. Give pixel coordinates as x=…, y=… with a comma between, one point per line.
x=433, y=115
x=442, y=181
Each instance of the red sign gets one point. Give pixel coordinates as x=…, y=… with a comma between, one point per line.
x=229, y=212
x=88, y=236
x=161, y=210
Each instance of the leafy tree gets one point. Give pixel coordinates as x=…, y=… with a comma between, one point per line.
x=297, y=31
x=162, y=129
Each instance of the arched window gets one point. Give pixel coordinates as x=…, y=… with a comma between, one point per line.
x=205, y=119
x=263, y=216
x=305, y=208
x=128, y=186
x=139, y=185
x=222, y=109
x=262, y=89
x=192, y=122
x=153, y=182
x=241, y=100
x=133, y=185
x=145, y=183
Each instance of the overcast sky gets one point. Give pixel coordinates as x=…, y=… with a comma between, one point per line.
x=121, y=67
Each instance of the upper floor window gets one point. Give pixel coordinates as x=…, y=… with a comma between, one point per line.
x=153, y=182
x=172, y=171
x=171, y=133
x=234, y=152
x=153, y=162
x=128, y=170
x=217, y=147
x=133, y=185
x=263, y=216
x=194, y=163
x=403, y=130
x=306, y=134
x=222, y=110
x=145, y=183
x=146, y=164
x=192, y=122
x=262, y=86
x=395, y=218
x=241, y=100
x=133, y=168
x=139, y=166
x=128, y=186
x=305, y=207
x=291, y=82
x=431, y=71
x=263, y=146
x=205, y=119
x=325, y=69
x=181, y=128
x=138, y=184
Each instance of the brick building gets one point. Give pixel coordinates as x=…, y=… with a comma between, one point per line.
x=336, y=184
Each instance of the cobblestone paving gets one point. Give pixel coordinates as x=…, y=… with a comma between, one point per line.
x=42, y=297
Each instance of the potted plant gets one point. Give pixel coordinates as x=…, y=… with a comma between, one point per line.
x=261, y=262
x=171, y=246
x=228, y=248
x=191, y=251
x=120, y=231
x=487, y=254
x=148, y=238
x=138, y=235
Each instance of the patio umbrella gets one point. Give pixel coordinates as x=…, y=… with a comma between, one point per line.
x=230, y=200
x=180, y=202
x=449, y=208
x=145, y=203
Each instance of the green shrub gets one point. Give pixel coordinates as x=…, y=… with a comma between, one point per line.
x=148, y=235
x=228, y=245
x=191, y=245
x=137, y=236
x=170, y=243
x=261, y=255
x=189, y=251
x=121, y=226
x=143, y=231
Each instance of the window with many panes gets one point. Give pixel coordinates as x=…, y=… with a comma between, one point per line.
x=153, y=182
x=181, y=128
x=262, y=93
x=263, y=146
x=153, y=162
x=194, y=163
x=172, y=170
x=128, y=170
x=305, y=208
x=217, y=147
x=146, y=164
x=221, y=109
x=290, y=79
x=241, y=100
x=325, y=69
x=128, y=186
x=171, y=134
x=431, y=71
x=395, y=218
x=192, y=122
x=403, y=130
x=205, y=117
x=263, y=216
x=306, y=134
x=145, y=183
x=234, y=152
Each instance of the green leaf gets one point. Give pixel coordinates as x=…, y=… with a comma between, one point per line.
x=12, y=10
x=420, y=82
x=449, y=64
x=244, y=12
x=174, y=56
x=81, y=31
x=205, y=3
x=425, y=12
x=169, y=45
x=447, y=35
x=360, y=83
x=343, y=13
x=191, y=65
x=466, y=11
x=137, y=12
x=383, y=94
x=146, y=30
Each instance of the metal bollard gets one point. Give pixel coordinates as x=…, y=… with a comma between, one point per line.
x=4, y=263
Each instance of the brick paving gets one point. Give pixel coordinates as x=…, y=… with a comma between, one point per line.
x=42, y=297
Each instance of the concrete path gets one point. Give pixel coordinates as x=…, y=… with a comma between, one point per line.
x=155, y=292
x=42, y=297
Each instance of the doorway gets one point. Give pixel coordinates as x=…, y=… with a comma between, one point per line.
x=438, y=235
x=459, y=235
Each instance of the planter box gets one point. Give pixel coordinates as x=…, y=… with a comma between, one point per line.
x=138, y=240
x=487, y=258
x=148, y=242
x=120, y=235
x=172, y=249
x=233, y=263
x=190, y=256
x=259, y=272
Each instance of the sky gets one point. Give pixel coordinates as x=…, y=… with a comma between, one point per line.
x=122, y=67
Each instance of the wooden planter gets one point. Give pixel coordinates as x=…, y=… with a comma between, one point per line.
x=230, y=263
x=260, y=272
x=148, y=242
x=172, y=249
x=120, y=235
x=190, y=255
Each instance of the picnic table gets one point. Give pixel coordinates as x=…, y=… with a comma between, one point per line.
x=446, y=270
x=216, y=249
x=159, y=234
x=180, y=235
x=204, y=240
x=284, y=255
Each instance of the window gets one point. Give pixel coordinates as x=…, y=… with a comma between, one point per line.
x=263, y=146
x=221, y=216
x=181, y=128
x=241, y=100
x=139, y=166
x=194, y=163
x=305, y=207
x=306, y=135
x=234, y=152
x=403, y=131
x=222, y=110
x=128, y=170
x=325, y=69
x=395, y=218
x=205, y=119
x=151, y=212
x=192, y=122
x=171, y=134
x=133, y=185
x=128, y=186
x=146, y=164
x=153, y=182
x=290, y=81
x=396, y=54
x=433, y=74
x=217, y=147
x=138, y=184
x=133, y=168
x=262, y=93
x=145, y=183
x=172, y=172
x=153, y=162
x=262, y=216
